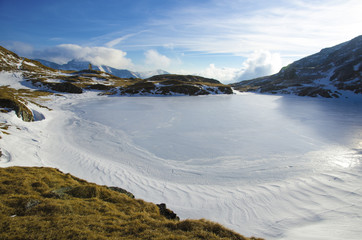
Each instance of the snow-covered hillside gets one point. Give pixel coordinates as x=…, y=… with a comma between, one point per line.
x=333, y=72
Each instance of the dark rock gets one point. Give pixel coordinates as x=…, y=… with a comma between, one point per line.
x=100, y=87
x=20, y=109
x=167, y=212
x=225, y=89
x=185, y=89
x=31, y=203
x=64, y=87
x=123, y=191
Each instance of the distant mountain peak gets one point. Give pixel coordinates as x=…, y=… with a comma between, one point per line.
x=79, y=64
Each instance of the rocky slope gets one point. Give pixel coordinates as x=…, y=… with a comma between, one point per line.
x=44, y=203
x=333, y=72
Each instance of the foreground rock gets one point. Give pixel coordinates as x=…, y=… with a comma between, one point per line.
x=43, y=203
x=333, y=72
x=8, y=104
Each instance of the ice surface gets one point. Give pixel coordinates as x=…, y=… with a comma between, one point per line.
x=231, y=134
x=270, y=166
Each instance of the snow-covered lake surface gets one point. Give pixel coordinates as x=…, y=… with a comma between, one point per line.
x=269, y=166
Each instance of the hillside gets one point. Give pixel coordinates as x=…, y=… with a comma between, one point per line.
x=332, y=73
x=44, y=203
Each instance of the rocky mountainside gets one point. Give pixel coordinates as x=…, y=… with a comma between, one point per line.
x=333, y=72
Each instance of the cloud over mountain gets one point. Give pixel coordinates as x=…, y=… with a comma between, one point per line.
x=259, y=63
x=157, y=60
x=96, y=55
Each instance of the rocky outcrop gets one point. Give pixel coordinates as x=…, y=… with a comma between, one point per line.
x=326, y=74
x=164, y=211
x=20, y=109
x=64, y=87
x=123, y=191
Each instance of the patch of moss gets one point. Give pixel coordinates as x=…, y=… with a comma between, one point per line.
x=44, y=203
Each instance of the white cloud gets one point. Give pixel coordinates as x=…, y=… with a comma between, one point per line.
x=225, y=75
x=260, y=63
x=96, y=55
x=156, y=60
x=116, y=41
x=293, y=28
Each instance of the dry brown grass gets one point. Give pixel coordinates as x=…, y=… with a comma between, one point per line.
x=43, y=203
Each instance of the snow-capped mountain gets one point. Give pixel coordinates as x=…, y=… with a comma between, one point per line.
x=333, y=72
x=79, y=65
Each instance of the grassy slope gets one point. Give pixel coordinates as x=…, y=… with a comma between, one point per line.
x=43, y=203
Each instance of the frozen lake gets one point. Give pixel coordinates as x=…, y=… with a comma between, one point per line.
x=240, y=137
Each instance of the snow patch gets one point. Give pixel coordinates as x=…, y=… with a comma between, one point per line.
x=356, y=67
x=30, y=64
x=12, y=79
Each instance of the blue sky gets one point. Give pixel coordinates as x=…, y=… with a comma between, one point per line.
x=225, y=39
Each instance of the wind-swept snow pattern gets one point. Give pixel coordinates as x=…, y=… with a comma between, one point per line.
x=268, y=166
